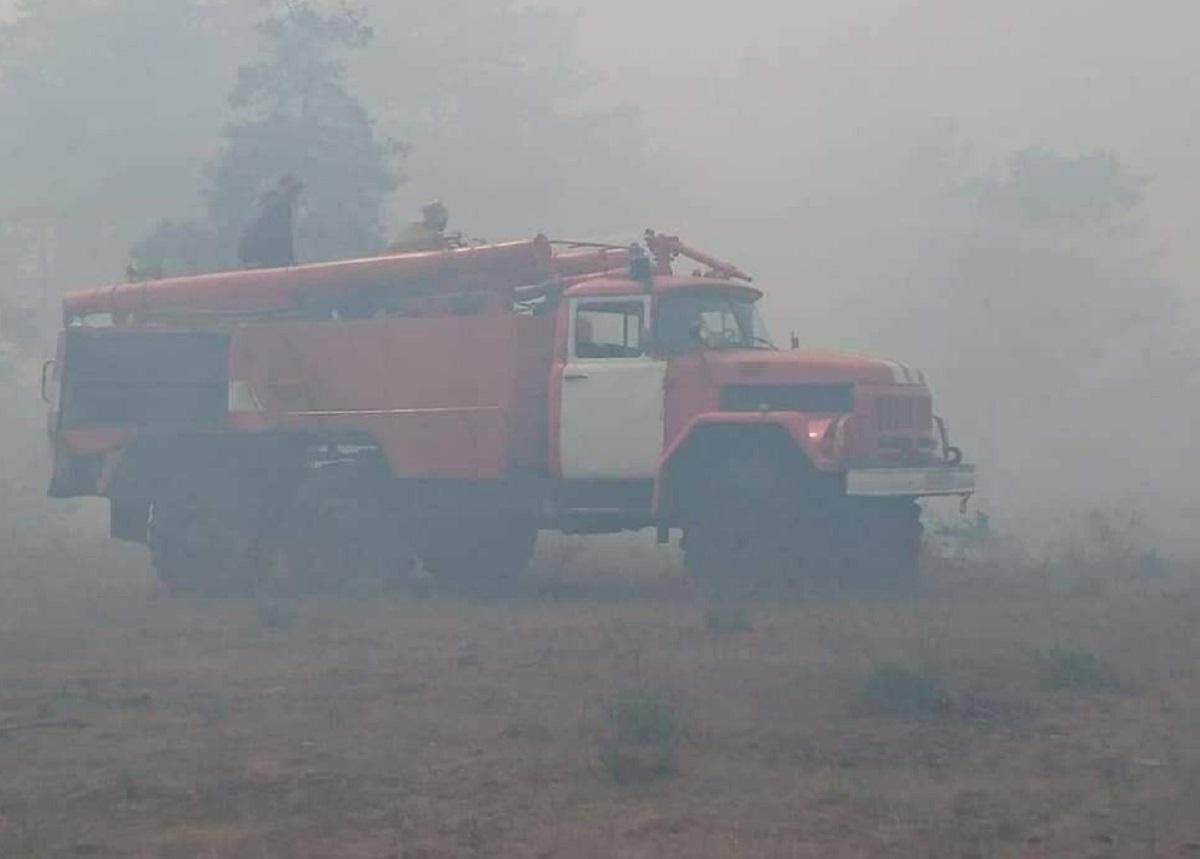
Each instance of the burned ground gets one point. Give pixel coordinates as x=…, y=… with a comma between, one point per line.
x=995, y=714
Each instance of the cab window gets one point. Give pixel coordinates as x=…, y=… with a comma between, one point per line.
x=708, y=320
x=609, y=329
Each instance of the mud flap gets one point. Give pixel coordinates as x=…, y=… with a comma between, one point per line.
x=129, y=519
x=74, y=476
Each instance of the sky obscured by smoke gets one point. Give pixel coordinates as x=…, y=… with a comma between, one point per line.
x=806, y=99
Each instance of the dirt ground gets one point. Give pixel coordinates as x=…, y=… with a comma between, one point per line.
x=369, y=724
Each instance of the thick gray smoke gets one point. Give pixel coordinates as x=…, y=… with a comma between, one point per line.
x=997, y=192
x=1000, y=193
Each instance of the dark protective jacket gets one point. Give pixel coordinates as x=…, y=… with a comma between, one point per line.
x=269, y=242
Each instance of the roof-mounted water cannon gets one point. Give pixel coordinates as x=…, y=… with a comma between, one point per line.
x=666, y=249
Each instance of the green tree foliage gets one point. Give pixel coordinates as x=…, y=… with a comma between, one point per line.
x=297, y=117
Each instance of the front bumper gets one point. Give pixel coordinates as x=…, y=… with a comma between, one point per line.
x=911, y=482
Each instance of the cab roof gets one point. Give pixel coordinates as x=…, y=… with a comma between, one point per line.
x=613, y=286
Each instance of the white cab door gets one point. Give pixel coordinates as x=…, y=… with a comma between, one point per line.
x=612, y=392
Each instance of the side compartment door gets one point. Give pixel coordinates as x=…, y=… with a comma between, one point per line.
x=612, y=392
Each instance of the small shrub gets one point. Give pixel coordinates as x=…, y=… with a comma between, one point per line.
x=1116, y=772
x=644, y=716
x=526, y=730
x=131, y=784
x=844, y=785
x=218, y=790
x=896, y=690
x=420, y=583
x=643, y=732
x=724, y=618
x=629, y=765
x=275, y=613
x=470, y=655
x=1078, y=669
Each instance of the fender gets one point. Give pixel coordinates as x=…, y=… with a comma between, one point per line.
x=819, y=437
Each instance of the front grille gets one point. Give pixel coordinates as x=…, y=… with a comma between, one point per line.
x=787, y=398
x=904, y=414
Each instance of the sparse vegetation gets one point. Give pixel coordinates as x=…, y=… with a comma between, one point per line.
x=1117, y=772
x=527, y=731
x=915, y=722
x=217, y=788
x=131, y=784
x=897, y=690
x=1069, y=668
x=643, y=729
x=275, y=613
x=725, y=617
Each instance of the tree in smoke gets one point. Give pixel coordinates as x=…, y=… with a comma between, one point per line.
x=1051, y=268
x=1050, y=324
x=503, y=121
x=109, y=108
x=297, y=117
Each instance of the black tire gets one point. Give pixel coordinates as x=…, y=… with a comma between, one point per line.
x=206, y=536
x=341, y=526
x=765, y=527
x=483, y=557
x=728, y=548
x=883, y=543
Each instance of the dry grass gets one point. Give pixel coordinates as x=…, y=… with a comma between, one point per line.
x=132, y=725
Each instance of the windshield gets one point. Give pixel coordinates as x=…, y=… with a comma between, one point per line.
x=708, y=319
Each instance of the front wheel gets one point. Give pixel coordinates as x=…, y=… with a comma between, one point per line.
x=807, y=540
x=881, y=542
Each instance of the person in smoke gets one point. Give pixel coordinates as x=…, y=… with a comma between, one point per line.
x=269, y=241
x=427, y=234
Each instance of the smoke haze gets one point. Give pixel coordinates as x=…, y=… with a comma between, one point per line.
x=841, y=152
x=829, y=148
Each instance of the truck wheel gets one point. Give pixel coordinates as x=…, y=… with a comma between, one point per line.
x=480, y=558
x=206, y=539
x=756, y=525
x=743, y=547
x=743, y=529
x=340, y=527
x=883, y=542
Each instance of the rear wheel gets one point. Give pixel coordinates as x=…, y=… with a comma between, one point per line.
x=482, y=556
x=206, y=537
x=342, y=525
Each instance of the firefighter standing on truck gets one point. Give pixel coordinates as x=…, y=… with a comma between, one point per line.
x=269, y=240
x=427, y=234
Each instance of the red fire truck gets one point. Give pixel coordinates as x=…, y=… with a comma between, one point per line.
x=321, y=419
